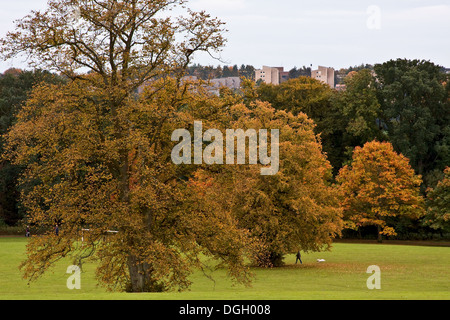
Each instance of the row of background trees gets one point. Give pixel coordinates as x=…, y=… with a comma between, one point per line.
x=404, y=102
x=248, y=71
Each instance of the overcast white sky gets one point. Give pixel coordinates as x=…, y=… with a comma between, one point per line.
x=292, y=33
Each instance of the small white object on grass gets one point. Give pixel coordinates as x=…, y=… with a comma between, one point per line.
x=320, y=260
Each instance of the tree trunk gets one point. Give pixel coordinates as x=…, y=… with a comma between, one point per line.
x=379, y=236
x=276, y=259
x=141, y=277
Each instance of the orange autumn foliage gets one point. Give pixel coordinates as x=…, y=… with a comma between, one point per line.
x=379, y=184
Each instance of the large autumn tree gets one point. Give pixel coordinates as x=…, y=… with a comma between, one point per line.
x=379, y=184
x=97, y=155
x=298, y=208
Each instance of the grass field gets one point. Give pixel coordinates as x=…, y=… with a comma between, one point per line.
x=407, y=272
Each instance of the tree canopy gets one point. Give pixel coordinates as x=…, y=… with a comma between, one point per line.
x=414, y=98
x=379, y=183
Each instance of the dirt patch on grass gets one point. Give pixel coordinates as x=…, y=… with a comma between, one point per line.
x=338, y=267
x=11, y=236
x=351, y=267
x=429, y=243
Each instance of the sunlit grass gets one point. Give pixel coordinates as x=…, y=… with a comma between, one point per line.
x=407, y=272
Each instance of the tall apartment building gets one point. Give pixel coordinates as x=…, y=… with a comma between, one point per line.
x=271, y=75
x=324, y=74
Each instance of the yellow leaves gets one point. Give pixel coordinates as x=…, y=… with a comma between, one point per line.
x=388, y=231
x=349, y=224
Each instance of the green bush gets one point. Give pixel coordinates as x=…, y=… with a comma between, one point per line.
x=10, y=230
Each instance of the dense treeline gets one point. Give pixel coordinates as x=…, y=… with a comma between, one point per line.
x=244, y=71
x=403, y=102
x=393, y=104
x=248, y=71
x=211, y=72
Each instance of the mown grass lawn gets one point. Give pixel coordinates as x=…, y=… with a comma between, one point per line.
x=407, y=272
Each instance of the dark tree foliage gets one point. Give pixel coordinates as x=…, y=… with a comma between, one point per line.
x=414, y=97
x=15, y=85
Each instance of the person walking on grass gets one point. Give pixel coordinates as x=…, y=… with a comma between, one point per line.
x=298, y=258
